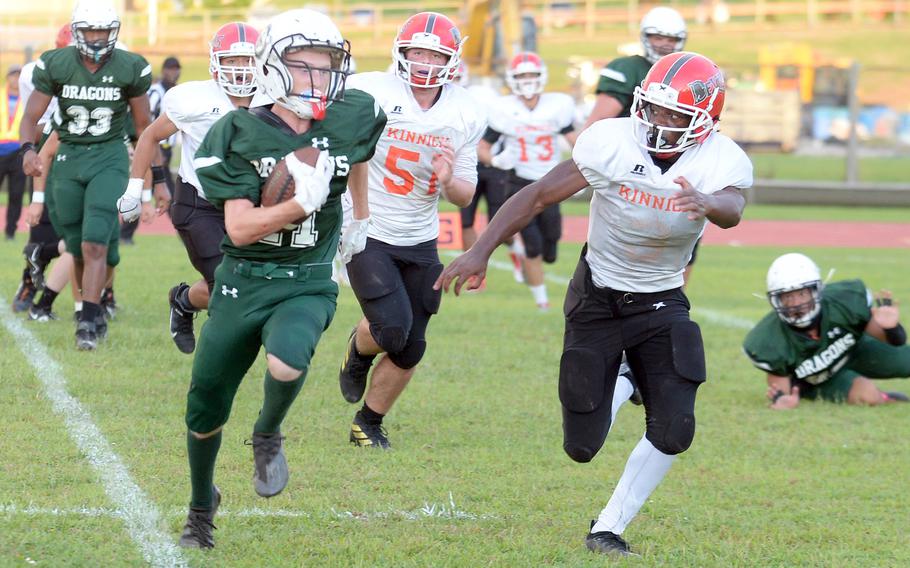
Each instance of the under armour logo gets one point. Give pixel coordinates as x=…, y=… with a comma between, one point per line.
x=396, y=110
x=107, y=79
x=321, y=142
x=61, y=157
x=228, y=292
x=659, y=305
x=639, y=169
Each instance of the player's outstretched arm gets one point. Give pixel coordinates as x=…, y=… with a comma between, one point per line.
x=142, y=116
x=147, y=147
x=562, y=182
x=605, y=106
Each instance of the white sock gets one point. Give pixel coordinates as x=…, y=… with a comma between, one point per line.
x=517, y=247
x=621, y=394
x=645, y=469
x=540, y=294
x=77, y=306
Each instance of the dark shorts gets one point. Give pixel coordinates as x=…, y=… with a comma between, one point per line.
x=492, y=185
x=541, y=236
x=201, y=228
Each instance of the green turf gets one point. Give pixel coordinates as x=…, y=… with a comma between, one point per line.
x=478, y=427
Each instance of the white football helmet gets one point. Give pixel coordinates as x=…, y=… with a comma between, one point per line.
x=526, y=62
x=795, y=271
x=292, y=31
x=95, y=15
x=666, y=22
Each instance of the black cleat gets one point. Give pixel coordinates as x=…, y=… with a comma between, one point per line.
x=181, y=322
x=108, y=303
x=25, y=294
x=77, y=315
x=896, y=396
x=354, y=371
x=368, y=435
x=86, y=336
x=36, y=313
x=605, y=542
x=270, y=472
x=35, y=266
x=197, y=532
x=100, y=328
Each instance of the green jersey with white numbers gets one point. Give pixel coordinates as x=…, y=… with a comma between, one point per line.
x=620, y=77
x=241, y=149
x=93, y=106
x=779, y=349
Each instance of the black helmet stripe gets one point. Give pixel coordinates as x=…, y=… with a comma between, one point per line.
x=241, y=33
x=674, y=69
x=431, y=22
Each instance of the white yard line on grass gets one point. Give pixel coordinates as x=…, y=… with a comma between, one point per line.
x=133, y=507
x=711, y=316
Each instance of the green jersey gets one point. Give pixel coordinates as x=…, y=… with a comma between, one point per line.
x=781, y=350
x=620, y=77
x=93, y=106
x=240, y=150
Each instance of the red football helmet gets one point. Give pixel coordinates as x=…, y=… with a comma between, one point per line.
x=236, y=39
x=526, y=62
x=434, y=32
x=686, y=84
x=64, y=36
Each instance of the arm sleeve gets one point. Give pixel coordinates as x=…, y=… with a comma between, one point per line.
x=224, y=174
x=734, y=169
x=491, y=136
x=592, y=153
x=143, y=78
x=171, y=106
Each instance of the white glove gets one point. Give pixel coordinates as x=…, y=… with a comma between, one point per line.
x=130, y=203
x=503, y=161
x=354, y=239
x=311, y=183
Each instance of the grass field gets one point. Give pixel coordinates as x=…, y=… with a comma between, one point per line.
x=477, y=476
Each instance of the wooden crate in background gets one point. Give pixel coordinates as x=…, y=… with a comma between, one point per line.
x=768, y=118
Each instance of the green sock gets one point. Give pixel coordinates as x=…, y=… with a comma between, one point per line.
x=279, y=395
x=202, y=455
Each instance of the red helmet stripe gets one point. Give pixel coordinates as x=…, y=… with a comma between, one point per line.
x=675, y=68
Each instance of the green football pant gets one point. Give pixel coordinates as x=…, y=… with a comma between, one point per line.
x=87, y=180
x=872, y=359
x=286, y=316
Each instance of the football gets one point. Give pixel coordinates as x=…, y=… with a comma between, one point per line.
x=279, y=186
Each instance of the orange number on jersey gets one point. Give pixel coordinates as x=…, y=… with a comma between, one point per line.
x=407, y=178
x=546, y=141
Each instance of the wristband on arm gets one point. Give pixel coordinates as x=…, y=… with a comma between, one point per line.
x=26, y=147
x=37, y=197
x=896, y=335
x=159, y=175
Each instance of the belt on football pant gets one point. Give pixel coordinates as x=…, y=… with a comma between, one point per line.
x=271, y=270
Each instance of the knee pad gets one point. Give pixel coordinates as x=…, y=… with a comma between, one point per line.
x=674, y=436
x=585, y=413
x=113, y=253
x=688, y=351
x=550, y=250
x=392, y=338
x=533, y=245
x=206, y=409
x=408, y=357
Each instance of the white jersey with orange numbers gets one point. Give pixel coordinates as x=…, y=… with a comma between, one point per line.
x=194, y=107
x=532, y=135
x=638, y=240
x=403, y=188
x=26, y=87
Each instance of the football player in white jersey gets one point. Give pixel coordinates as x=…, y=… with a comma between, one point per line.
x=191, y=109
x=658, y=177
x=428, y=150
x=529, y=121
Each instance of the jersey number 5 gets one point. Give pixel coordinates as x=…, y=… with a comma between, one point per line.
x=406, y=186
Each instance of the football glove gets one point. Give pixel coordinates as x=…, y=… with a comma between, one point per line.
x=503, y=161
x=311, y=183
x=130, y=203
x=353, y=239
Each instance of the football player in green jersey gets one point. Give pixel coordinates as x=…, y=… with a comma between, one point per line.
x=95, y=85
x=274, y=288
x=826, y=341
